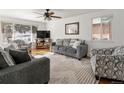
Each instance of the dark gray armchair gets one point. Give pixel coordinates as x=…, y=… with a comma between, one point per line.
x=36, y=71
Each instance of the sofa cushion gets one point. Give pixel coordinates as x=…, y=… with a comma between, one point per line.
x=56, y=47
x=76, y=43
x=62, y=48
x=119, y=51
x=59, y=42
x=20, y=56
x=66, y=42
x=71, y=50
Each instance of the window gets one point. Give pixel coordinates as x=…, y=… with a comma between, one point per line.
x=22, y=32
x=7, y=31
x=12, y=32
x=101, y=28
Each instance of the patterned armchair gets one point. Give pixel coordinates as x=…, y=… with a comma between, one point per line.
x=106, y=65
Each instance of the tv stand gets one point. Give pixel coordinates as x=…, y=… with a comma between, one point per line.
x=43, y=43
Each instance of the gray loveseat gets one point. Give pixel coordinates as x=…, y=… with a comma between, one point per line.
x=65, y=47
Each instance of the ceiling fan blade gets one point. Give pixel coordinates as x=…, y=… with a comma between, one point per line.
x=38, y=13
x=51, y=13
x=56, y=16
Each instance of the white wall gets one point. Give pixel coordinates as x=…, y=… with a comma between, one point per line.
x=57, y=28
x=15, y=20
x=41, y=25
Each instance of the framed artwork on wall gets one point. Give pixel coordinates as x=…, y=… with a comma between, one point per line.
x=72, y=28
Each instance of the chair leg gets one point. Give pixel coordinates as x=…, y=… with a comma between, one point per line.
x=79, y=59
x=97, y=77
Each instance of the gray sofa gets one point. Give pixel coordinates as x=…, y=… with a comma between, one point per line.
x=36, y=71
x=64, y=46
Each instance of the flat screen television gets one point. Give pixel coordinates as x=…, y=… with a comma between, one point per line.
x=43, y=34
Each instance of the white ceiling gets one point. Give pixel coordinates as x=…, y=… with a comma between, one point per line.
x=28, y=14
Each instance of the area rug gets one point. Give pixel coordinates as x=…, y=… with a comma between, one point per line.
x=67, y=70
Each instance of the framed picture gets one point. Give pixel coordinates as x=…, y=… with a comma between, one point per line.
x=72, y=28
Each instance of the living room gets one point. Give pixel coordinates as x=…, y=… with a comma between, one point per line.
x=80, y=46
x=57, y=62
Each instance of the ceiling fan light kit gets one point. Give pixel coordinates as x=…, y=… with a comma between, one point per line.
x=47, y=18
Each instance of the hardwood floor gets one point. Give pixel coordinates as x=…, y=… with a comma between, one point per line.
x=39, y=51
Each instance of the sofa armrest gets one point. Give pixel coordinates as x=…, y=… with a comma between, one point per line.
x=102, y=51
x=53, y=43
x=35, y=71
x=82, y=50
x=23, y=49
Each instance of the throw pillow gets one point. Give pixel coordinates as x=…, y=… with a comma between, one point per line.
x=72, y=42
x=19, y=56
x=119, y=51
x=66, y=42
x=5, y=59
x=83, y=41
x=76, y=43
x=59, y=42
x=8, y=58
x=3, y=63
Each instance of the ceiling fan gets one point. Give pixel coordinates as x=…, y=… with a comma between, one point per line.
x=47, y=15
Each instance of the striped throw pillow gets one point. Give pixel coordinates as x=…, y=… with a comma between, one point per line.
x=7, y=57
